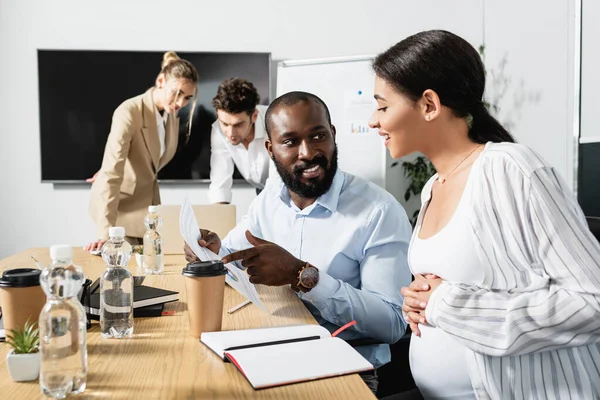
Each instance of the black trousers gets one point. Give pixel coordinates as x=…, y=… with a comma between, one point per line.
x=413, y=394
x=371, y=379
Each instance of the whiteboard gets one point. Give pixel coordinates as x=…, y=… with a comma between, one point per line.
x=346, y=86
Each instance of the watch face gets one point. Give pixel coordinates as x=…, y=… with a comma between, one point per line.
x=309, y=277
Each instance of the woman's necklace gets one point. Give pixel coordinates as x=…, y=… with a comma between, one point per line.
x=443, y=180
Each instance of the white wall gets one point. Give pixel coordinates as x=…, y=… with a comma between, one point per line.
x=35, y=214
x=530, y=57
x=536, y=37
x=590, y=65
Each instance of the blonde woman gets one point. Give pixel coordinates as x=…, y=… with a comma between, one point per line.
x=142, y=140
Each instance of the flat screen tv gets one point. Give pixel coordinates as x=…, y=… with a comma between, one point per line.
x=80, y=89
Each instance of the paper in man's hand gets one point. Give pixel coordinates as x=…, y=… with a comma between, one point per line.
x=188, y=227
x=236, y=278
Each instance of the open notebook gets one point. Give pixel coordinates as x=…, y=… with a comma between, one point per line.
x=279, y=356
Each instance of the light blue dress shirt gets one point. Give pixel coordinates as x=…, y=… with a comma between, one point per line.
x=357, y=235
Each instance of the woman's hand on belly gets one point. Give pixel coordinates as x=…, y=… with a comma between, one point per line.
x=416, y=297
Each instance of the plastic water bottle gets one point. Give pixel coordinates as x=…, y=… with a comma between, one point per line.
x=62, y=324
x=116, y=287
x=154, y=262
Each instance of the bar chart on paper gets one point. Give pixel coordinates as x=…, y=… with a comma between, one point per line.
x=357, y=127
x=358, y=108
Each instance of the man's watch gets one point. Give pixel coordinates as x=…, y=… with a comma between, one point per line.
x=308, y=277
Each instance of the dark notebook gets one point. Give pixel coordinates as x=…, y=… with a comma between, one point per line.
x=143, y=298
x=142, y=312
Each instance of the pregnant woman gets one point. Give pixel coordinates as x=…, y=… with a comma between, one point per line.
x=506, y=300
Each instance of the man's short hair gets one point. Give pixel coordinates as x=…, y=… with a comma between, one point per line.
x=236, y=95
x=289, y=99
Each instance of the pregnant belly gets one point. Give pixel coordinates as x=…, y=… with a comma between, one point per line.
x=438, y=365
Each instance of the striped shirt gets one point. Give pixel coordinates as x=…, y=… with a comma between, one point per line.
x=532, y=328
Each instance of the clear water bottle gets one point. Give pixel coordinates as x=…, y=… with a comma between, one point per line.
x=154, y=262
x=116, y=287
x=62, y=325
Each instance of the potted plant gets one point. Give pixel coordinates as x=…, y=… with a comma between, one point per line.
x=418, y=173
x=23, y=361
x=138, y=250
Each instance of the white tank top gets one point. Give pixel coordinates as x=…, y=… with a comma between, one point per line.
x=437, y=361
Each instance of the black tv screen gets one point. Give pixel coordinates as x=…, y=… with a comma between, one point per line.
x=80, y=89
x=588, y=189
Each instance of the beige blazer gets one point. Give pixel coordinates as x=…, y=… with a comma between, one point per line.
x=127, y=181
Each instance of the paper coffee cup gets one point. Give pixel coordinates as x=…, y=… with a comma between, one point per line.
x=21, y=297
x=205, y=287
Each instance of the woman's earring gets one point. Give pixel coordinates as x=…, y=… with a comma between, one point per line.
x=427, y=117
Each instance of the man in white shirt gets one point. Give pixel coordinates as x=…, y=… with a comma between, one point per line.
x=237, y=138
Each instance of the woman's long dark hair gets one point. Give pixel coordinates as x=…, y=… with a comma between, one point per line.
x=449, y=65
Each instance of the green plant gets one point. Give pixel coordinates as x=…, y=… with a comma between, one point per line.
x=24, y=340
x=418, y=173
x=139, y=249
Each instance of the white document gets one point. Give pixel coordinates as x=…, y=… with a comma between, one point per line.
x=188, y=227
x=358, y=109
x=235, y=277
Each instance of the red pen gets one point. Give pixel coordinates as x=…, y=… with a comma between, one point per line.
x=343, y=328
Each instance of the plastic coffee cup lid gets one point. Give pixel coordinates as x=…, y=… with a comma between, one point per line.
x=20, y=277
x=204, y=269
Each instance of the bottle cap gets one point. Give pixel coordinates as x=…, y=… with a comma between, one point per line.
x=61, y=252
x=153, y=209
x=118, y=231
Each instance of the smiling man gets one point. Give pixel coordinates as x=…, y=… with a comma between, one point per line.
x=339, y=241
x=237, y=138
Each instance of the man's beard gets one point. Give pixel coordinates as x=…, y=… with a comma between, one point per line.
x=314, y=188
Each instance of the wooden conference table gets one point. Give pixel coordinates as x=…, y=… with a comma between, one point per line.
x=163, y=361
